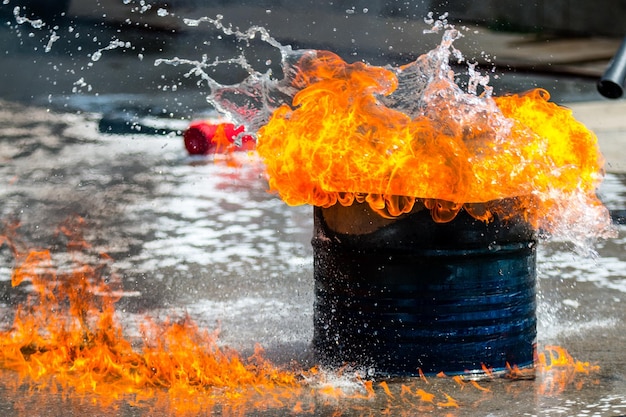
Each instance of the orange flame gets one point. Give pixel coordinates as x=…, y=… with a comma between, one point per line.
x=559, y=370
x=338, y=143
x=66, y=339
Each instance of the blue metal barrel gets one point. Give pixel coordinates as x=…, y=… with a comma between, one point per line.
x=414, y=294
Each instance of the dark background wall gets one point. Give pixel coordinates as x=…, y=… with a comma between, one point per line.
x=575, y=17
x=566, y=17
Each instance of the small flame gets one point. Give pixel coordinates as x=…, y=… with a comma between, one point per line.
x=559, y=370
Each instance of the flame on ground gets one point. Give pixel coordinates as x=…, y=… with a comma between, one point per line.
x=66, y=339
x=346, y=137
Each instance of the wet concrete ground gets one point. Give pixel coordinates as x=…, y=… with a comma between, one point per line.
x=190, y=235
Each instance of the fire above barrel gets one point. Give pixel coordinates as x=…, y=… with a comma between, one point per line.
x=428, y=201
x=356, y=133
x=457, y=182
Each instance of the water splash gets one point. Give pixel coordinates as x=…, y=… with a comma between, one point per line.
x=114, y=44
x=251, y=102
x=49, y=34
x=36, y=23
x=426, y=89
x=53, y=38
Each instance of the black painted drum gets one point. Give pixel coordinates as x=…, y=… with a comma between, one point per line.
x=411, y=294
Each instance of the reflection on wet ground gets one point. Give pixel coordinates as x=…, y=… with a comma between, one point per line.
x=190, y=235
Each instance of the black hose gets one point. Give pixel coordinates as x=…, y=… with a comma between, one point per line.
x=611, y=85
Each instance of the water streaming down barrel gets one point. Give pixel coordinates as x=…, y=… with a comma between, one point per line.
x=418, y=295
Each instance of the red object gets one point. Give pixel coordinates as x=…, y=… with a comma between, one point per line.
x=202, y=138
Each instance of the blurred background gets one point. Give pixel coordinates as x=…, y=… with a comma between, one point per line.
x=573, y=17
x=572, y=39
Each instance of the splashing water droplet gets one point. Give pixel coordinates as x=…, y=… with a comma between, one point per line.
x=35, y=24
x=53, y=38
x=114, y=44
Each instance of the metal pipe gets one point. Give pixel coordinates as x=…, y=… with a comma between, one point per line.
x=611, y=84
